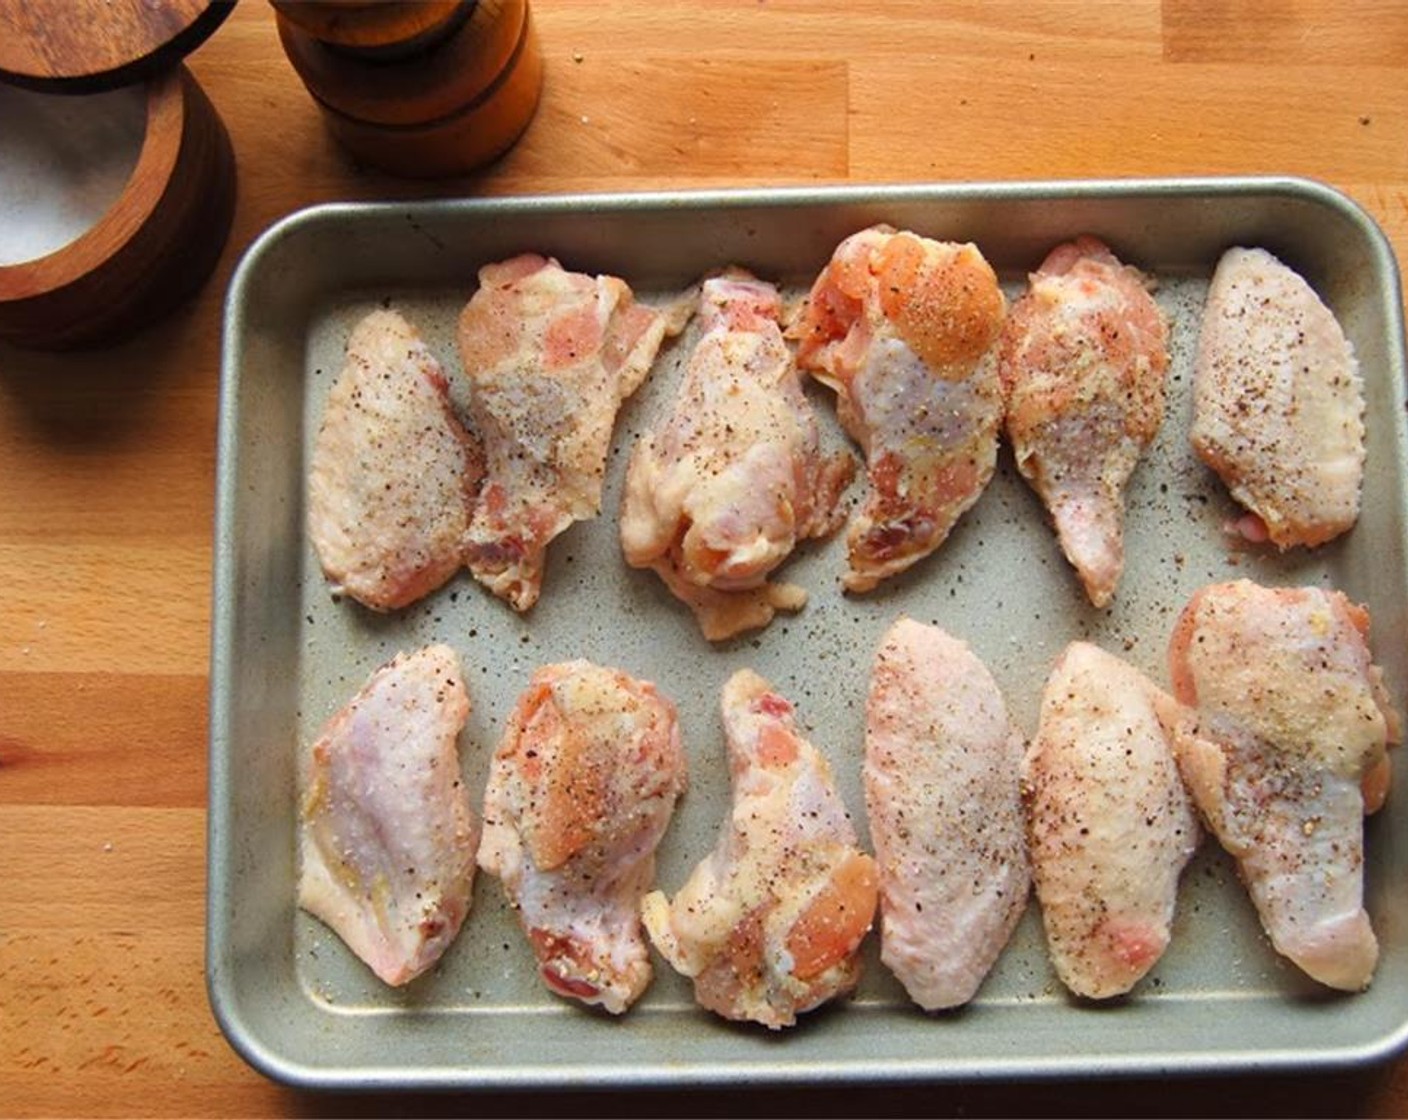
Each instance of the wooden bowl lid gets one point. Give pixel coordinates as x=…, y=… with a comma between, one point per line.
x=84, y=46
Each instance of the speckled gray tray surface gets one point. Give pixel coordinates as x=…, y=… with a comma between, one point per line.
x=285, y=655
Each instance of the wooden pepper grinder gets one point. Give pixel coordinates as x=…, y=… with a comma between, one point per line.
x=425, y=89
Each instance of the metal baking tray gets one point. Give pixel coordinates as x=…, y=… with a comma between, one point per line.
x=299, y=1007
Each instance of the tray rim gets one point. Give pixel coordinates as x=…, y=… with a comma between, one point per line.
x=1221, y=186
x=223, y=998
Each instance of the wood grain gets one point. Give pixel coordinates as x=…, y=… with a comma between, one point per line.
x=78, y=46
x=779, y=116
x=1289, y=32
x=53, y=752
x=107, y=459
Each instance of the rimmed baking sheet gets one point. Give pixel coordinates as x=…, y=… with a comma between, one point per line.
x=295, y=1002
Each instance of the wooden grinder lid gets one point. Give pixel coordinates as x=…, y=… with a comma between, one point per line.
x=84, y=46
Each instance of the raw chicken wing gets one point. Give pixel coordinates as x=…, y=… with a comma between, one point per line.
x=903, y=329
x=1083, y=361
x=581, y=790
x=942, y=767
x=387, y=833
x=1283, y=747
x=394, y=473
x=551, y=355
x=770, y=923
x=719, y=496
x=1110, y=825
x=1278, y=404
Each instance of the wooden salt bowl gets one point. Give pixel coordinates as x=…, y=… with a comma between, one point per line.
x=117, y=178
x=153, y=245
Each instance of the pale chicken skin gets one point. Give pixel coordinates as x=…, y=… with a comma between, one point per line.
x=386, y=833
x=769, y=925
x=1084, y=359
x=1282, y=741
x=394, y=473
x=903, y=328
x=719, y=496
x=1278, y=403
x=580, y=793
x=943, y=796
x=1110, y=825
x=551, y=355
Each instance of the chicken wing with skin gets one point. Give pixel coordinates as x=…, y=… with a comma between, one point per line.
x=1084, y=358
x=1282, y=741
x=903, y=327
x=1278, y=403
x=719, y=496
x=770, y=923
x=394, y=473
x=551, y=355
x=943, y=795
x=386, y=832
x=581, y=790
x=1110, y=825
